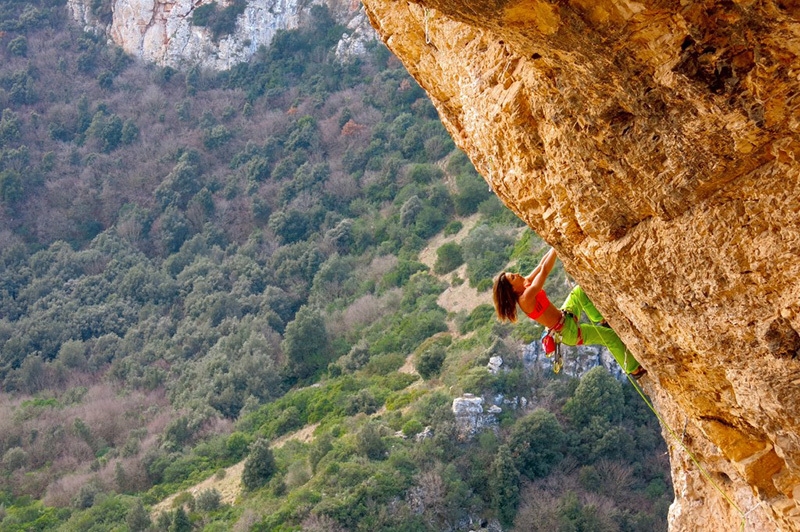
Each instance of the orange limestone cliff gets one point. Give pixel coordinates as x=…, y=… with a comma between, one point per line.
x=656, y=145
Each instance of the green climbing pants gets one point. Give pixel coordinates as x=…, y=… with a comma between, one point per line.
x=577, y=303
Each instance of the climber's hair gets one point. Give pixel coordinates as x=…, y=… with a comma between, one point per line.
x=505, y=300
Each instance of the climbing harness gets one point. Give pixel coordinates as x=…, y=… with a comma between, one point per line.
x=552, y=340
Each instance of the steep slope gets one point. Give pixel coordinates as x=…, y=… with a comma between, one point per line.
x=655, y=144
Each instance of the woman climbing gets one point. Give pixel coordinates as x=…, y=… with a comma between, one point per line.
x=512, y=289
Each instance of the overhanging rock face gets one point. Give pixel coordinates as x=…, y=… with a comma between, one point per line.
x=656, y=145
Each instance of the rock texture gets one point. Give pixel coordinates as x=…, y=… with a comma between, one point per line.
x=578, y=360
x=161, y=31
x=471, y=418
x=656, y=145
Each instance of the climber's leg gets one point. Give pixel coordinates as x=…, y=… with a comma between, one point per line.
x=578, y=302
x=599, y=335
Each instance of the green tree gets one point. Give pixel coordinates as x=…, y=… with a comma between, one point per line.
x=259, y=465
x=175, y=229
x=290, y=225
x=535, y=443
x=410, y=209
x=180, y=521
x=425, y=173
x=18, y=46
x=448, y=257
x=321, y=446
x=369, y=441
x=138, y=520
x=216, y=136
x=428, y=363
x=130, y=132
x=305, y=343
x=486, y=250
x=303, y=135
x=107, y=129
x=208, y=500
x=11, y=189
x=471, y=192
x=9, y=127
x=504, y=486
x=182, y=183
x=598, y=394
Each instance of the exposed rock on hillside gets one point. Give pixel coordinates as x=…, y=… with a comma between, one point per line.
x=163, y=31
x=470, y=416
x=655, y=144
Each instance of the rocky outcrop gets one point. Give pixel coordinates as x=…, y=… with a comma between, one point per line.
x=578, y=360
x=470, y=417
x=161, y=31
x=656, y=146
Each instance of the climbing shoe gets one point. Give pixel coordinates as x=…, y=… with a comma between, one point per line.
x=638, y=373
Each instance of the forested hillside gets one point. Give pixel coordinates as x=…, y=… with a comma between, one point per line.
x=193, y=264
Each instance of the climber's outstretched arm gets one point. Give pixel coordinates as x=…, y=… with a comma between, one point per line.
x=535, y=280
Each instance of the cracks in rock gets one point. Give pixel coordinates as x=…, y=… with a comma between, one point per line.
x=719, y=420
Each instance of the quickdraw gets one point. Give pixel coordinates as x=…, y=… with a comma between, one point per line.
x=552, y=340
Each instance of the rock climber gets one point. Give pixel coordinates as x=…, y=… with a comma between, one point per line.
x=512, y=289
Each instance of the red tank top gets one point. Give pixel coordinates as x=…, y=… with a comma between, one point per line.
x=539, y=305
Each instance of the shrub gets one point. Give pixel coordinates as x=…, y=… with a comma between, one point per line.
x=259, y=466
x=18, y=46
x=429, y=362
x=184, y=499
x=208, y=500
x=237, y=445
x=453, y=227
x=384, y=364
x=364, y=401
x=201, y=15
x=598, y=394
x=480, y=316
x=425, y=173
x=412, y=427
x=449, y=256
x=138, y=520
x=535, y=442
x=369, y=442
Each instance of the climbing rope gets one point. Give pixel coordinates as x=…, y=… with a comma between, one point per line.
x=694, y=458
x=427, y=35
x=680, y=440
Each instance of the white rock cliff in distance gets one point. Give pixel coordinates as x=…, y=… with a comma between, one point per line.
x=161, y=31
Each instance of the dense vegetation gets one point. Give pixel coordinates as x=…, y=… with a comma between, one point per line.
x=193, y=264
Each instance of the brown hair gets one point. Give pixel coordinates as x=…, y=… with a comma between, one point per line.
x=505, y=300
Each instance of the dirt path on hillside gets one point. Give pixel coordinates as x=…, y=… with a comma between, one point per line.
x=459, y=297
x=229, y=485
